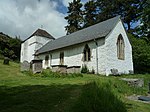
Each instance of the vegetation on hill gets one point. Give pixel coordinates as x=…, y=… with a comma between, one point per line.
x=9, y=47
x=90, y=93
x=141, y=54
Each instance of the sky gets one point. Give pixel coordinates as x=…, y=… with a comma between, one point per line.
x=22, y=17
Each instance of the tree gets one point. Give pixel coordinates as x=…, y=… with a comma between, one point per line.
x=74, y=18
x=90, y=12
x=15, y=46
x=104, y=8
x=129, y=10
x=10, y=47
x=141, y=54
x=144, y=28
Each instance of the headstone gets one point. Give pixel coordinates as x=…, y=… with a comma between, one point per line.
x=134, y=82
x=6, y=61
x=114, y=71
x=25, y=66
x=144, y=98
x=36, y=66
x=131, y=72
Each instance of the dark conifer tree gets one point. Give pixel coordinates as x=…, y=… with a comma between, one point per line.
x=90, y=12
x=128, y=9
x=75, y=17
x=144, y=28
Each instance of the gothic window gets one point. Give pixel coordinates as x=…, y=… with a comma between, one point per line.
x=87, y=53
x=46, y=60
x=120, y=47
x=61, y=58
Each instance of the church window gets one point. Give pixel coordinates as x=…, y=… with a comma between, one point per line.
x=46, y=60
x=120, y=47
x=61, y=58
x=87, y=53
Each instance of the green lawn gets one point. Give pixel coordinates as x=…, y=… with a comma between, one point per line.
x=23, y=93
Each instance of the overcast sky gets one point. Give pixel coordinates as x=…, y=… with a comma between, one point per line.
x=23, y=17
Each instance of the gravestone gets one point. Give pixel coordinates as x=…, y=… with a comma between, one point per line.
x=144, y=98
x=134, y=82
x=6, y=61
x=114, y=71
x=131, y=72
x=36, y=66
x=25, y=66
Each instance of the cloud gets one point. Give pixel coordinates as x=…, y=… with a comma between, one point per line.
x=23, y=17
x=66, y=2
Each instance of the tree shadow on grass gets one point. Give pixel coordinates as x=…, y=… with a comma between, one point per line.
x=98, y=98
x=59, y=98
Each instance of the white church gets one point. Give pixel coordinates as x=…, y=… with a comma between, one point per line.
x=102, y=47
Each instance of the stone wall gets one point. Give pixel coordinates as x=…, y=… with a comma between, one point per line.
x=36, y=66
x=25, y=66
x=73, y=69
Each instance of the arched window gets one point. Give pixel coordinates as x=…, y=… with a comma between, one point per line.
x=46, y=60
x=87, y=53
x=61, y=58
x=120, y=47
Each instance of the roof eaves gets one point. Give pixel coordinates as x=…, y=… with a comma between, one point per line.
x=66, y=46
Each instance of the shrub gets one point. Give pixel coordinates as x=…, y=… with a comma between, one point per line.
x=84, y=69
x=29, y=73
x=92, y=71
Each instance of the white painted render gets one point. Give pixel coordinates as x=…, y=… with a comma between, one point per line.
x=73, y=56
x=112, y=60
x=29, y=47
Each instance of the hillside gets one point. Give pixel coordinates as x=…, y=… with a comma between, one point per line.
x=90, y=93
x=9, y=47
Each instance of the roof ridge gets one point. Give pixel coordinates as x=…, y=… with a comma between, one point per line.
x=40, y=32
x=98, y=30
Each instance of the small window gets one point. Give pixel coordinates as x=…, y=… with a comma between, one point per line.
x=61, y=58
x=87, y=53
x=120, y=47
x=46, y=60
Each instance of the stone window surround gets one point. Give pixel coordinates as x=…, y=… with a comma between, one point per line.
x=120, y=48
x=86, y=53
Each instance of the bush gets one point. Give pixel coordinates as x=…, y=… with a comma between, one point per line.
x=84, y=69
x=29, y=73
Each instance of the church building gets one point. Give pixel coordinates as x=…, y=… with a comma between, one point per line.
x=103, y=47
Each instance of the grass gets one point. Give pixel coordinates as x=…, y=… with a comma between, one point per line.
x=90, y=93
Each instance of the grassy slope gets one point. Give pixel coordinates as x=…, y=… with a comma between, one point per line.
x=19, y=92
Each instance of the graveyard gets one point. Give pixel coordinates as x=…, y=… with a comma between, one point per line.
x=27, y=92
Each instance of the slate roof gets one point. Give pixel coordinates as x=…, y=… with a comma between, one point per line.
x=42, y=33
x=99, y=30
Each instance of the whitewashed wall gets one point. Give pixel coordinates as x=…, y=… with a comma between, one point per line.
x=73, y=56
x=29, y=47
x=42, y=57
x=112, y=60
